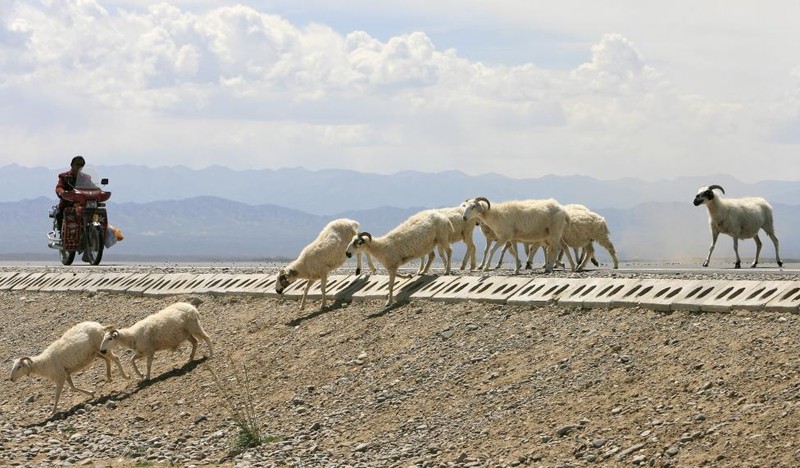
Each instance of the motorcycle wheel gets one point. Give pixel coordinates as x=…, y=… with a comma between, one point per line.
x=94, y=245
x=67, y=256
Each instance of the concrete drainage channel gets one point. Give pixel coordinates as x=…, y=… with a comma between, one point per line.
x=655, y=294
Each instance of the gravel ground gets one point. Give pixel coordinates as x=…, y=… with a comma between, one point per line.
x=424, y=384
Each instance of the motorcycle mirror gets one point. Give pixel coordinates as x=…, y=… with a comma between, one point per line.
x=104, y=181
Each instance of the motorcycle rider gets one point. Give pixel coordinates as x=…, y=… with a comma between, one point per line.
x=67, y=181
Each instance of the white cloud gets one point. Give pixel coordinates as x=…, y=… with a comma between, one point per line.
x=182, y=83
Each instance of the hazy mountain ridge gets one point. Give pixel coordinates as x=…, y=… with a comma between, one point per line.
x=335, y=191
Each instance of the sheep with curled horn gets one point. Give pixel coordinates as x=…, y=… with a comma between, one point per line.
x=415, y=237
x=524, y=221
x=740, y=218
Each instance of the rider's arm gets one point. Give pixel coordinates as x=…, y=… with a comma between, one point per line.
x=60, y=186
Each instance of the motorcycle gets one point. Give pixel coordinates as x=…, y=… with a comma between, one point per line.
x=84, y=226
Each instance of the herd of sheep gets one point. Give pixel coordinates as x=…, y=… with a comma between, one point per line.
x=535, y=223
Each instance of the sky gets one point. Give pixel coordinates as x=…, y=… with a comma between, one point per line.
x=523, y=88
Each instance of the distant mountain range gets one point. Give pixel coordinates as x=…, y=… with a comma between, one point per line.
x=176, y=214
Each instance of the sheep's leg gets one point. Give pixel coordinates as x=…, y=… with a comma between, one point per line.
x=502, y=254
x=565, y=248
x=588, y=253
x=108, y=365
x=114, y=358
x=59, y=387
x=193, y=341
x=774, y=239
x=133, y=363
x=447, y=256
x=305, y=293
x=485, y=251
x=358, y=264
x=517, y=262
x=738, y=263
x=491, y=253
x=423, y=266
x=758, y=250
x=370, y=264
x=606, y=244
x=392, y=274
x=73, y=387
x=714, y=236
x=323, y=282
x=428, y=264
x=149, y=365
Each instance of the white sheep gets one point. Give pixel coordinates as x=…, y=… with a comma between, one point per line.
x=417, y=236
x=165, y=329
x=491, y=237
x=524, y=221
x=586, y=226
x=462, y=232
x=320, y=257
x=72, y=352
x=740, y=218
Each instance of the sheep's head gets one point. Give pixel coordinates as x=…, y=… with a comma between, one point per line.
x=358, y=243
x=109, y=340
x=706, y=194
x=474, y=207
x=286, y=276
x=21, y=368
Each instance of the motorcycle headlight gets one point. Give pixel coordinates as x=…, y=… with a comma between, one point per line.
x=91, y=204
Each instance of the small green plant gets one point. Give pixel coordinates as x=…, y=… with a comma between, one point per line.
x=143, y=463
x=239, y=403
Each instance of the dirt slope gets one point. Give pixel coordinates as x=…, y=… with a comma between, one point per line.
x=421, y=384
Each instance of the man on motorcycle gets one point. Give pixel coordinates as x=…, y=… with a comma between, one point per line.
x=67, y=181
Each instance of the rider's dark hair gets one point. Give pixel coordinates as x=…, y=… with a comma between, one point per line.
x=78, y=160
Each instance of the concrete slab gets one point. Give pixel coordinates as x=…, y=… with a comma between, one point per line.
x=338, y=287
x=52, y=282
x=376, y=287
x=750, y=295
x=631, y=294
x=25, y=281
x=576, y=294
x=604, y=295
x=542, y=291
x=786, y=300
x=252, y=285
x=695, y=293
x=177, y=284
x=431, y=289
x=140, y=284
x=491, y=289
x=121, y=283
x=9, y=279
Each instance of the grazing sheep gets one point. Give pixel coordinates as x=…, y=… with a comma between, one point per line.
x=524, y=221
x=320, y=257
x=165, y=329
x=740, y=218
x=72, y=352
x=417, y=236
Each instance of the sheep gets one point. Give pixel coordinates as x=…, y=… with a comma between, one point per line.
x=586, y=226
x=320, y=257
x=72, y=352
x=522, y=220
x=165, y=329
x=740, y=218
x=413, y=238
x=491, y=237
x=462, y=231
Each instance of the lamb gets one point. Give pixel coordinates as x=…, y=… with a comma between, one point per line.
x=72, y=352
x=320, y=257
x=740, y=218
x=417, y=236
x=165, y=329
x=525, y=221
